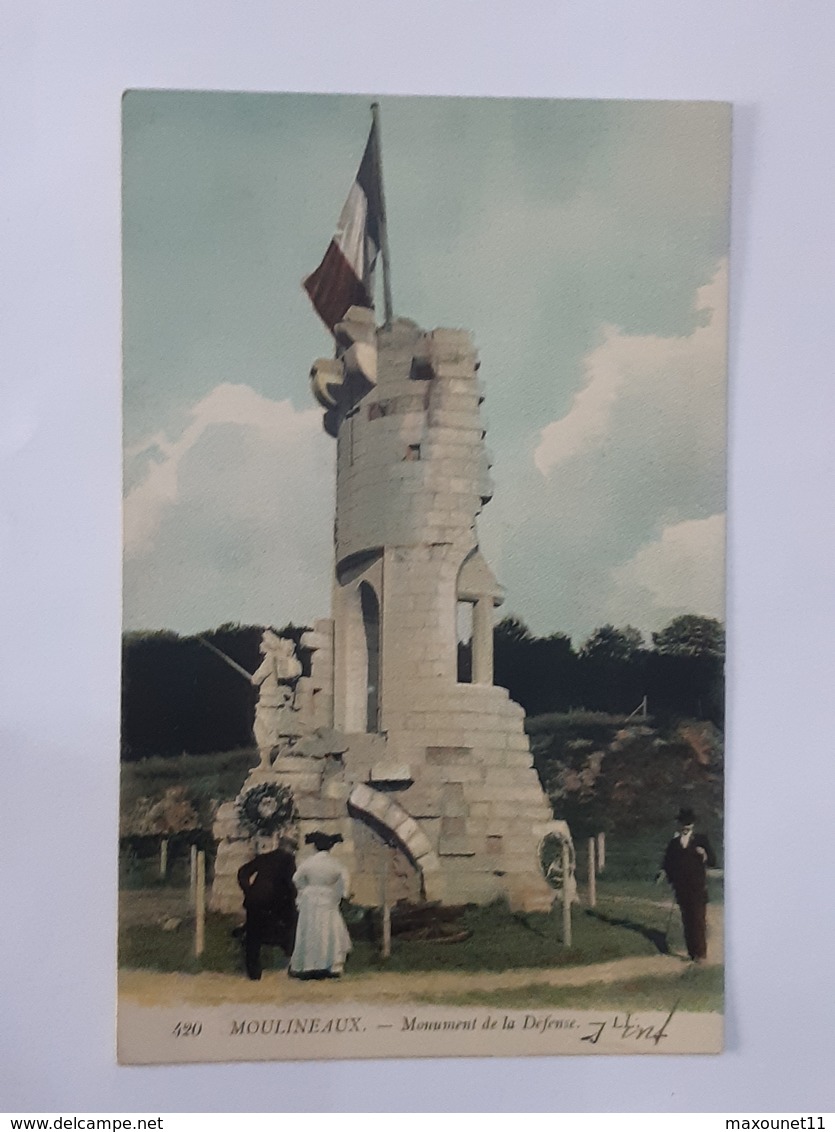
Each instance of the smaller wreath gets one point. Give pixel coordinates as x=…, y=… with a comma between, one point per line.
x=266, y=808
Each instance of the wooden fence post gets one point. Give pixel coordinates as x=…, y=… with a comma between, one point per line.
x=601, y=852
x=192, y=876
x=385, y=951
x=163, y=858
x=566, y=896
x=592, y=877
x=200, y=910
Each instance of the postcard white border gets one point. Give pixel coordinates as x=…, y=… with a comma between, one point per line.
x=60, y=134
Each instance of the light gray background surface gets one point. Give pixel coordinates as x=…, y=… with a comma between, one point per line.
x=63, y=70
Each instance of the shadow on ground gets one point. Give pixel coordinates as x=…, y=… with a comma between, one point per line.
x=657, y=938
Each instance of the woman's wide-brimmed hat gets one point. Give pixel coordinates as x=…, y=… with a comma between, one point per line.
x=321, y=840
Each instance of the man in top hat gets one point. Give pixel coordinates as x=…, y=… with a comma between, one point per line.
x=686, y=860
x=269, y=902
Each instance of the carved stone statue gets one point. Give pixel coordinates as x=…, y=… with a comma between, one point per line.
x=276, y=679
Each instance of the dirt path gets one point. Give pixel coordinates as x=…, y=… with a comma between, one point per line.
x=210, y=989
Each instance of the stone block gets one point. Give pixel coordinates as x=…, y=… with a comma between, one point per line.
x=501, y=776
x=417, y=844
x=443, y=343
x=446, y=756
x=454, y=773
x=318, y=807
x=226, y=824
x=365, y=890
x=518, y=743
x=315, y=641
x=453, y=803
x=465, y=774
x=453, y=827
x=529, y=893
x=379, y=806
x=519, y=759
x=482, y=888
x=491, y=756
x=456, y=847
x=300, y=783
x=465, y=386
x=500, y=796
x=427, y=803
x=389, y=773
x=502, y=809
x=336, y=788
x=406, y=828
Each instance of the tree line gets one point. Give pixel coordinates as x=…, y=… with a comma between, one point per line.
x=180, y=698
x=681, y=673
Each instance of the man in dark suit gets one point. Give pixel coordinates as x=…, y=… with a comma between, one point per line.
x=269, y=902
x=686, y=860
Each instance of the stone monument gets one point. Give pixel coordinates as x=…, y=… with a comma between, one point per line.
x=429, y=781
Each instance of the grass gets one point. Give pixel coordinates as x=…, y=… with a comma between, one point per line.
x=632, y=917
x=501, y=940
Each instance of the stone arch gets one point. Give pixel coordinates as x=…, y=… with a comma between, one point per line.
x=351, y=623
x=477, y=586
x=365, y=802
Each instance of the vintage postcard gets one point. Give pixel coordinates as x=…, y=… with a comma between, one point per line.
x=424, y=427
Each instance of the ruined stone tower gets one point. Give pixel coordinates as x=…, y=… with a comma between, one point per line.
x=430, y=781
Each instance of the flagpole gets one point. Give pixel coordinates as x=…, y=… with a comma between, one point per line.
x=384, y=238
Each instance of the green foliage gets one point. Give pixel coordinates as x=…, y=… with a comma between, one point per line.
x=179, y=697
x=538, y=672
x=513, y=630
x=610, y=644
x=691, y=635
x=206, y=780
x=608, y=773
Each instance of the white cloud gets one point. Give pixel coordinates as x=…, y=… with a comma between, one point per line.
x=640, y=451
x=666, y=375
x=276, y=422
x=231, y=519
x=682, y=571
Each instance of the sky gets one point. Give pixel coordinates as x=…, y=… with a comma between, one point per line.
x=584, y=245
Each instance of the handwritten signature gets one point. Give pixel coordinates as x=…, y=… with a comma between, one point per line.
x=630, y=1030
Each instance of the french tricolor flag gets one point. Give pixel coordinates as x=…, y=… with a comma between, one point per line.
x=345, y=277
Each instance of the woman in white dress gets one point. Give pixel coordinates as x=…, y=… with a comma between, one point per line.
x=322, y=940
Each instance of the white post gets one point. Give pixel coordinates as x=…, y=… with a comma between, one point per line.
x=592, y=877
x=601, y=852
x=386, y=907
x=163, y=857
x=566, y=897
x=200, y=910
x=192, y=876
